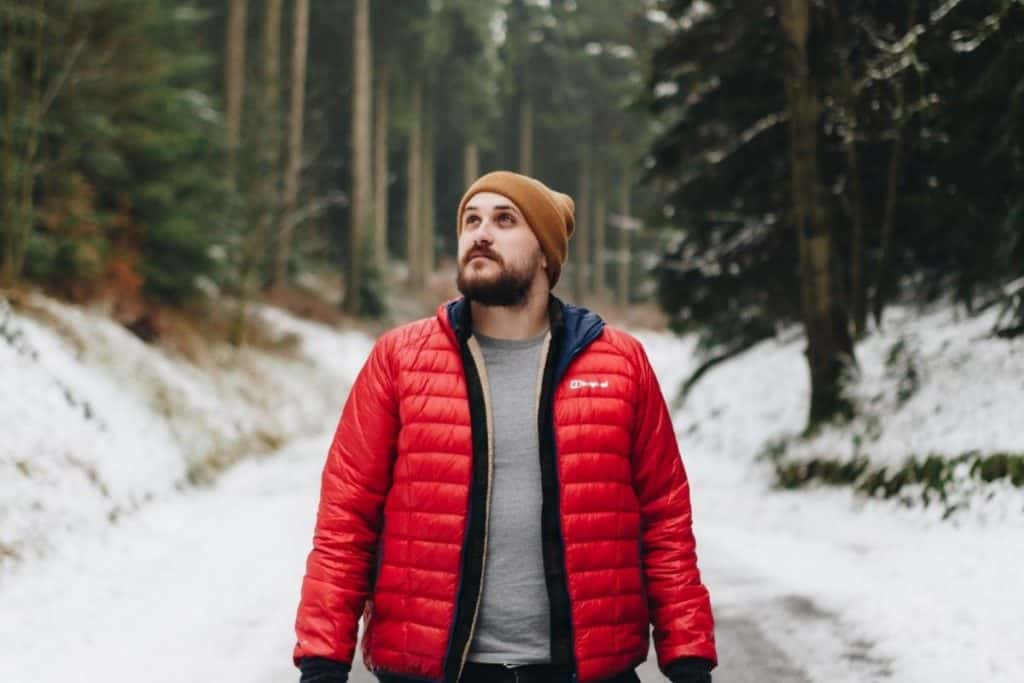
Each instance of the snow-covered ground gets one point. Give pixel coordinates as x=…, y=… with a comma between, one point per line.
x=202, y=584
x=96, y=423
x=892, y=589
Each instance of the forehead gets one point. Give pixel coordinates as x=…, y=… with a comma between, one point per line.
x=488, y=201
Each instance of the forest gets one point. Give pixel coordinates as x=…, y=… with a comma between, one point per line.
x=744, y=166
x=807, y=214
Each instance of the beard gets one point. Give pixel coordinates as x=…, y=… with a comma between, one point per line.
x=509, y=288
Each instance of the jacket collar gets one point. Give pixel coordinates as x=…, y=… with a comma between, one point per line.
x=573, y=328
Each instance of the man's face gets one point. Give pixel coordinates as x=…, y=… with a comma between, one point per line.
x=499, y=256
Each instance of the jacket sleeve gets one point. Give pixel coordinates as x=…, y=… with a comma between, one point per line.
x=354, y=483
x=678, y=602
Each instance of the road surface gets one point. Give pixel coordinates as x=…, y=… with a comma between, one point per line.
x=203, y=586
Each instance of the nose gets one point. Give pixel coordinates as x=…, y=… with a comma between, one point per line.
x=484, y=233
x=485, y=230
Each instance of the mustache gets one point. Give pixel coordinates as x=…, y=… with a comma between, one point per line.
x=486, y=252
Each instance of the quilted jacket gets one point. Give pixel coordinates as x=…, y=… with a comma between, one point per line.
x=401, y=527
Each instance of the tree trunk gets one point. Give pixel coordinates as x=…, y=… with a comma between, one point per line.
x=884, y=262
x=300, y=42
x=471, y=163
x=361, y=218
x=234, y=78
x=526, y=136
x=414, y=189
x=257, y=240
x=380, y=184
x=581, y=259
x=829, y=350
x=600, y=233
x=269, y=202
x=625, y=208
x=882, y=282
x=19, y=153
x=427, y=197
x=858, y=283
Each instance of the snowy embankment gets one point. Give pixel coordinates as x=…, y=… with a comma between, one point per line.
x=856, y=587
x=203, y=584
x=96, y=423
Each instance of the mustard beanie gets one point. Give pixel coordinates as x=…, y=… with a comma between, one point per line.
x=549, y=213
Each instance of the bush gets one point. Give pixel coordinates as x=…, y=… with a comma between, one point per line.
x=935, y=475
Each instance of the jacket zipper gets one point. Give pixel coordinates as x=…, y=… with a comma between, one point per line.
x=550, y=418
x=573, y=666
x=482, y=374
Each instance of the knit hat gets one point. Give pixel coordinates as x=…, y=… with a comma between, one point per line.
x=549, y=213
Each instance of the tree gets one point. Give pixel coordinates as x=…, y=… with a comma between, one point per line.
x=111, y=153
x=234, y=79
x=361, y=222
x=381, y=99
x=296, y=123
x=414, y=183
x=29, y=87
x=829, y=348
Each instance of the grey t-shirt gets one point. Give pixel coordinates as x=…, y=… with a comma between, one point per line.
x=513, y=625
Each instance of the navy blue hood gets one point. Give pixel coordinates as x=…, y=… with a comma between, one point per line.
x=572, y=328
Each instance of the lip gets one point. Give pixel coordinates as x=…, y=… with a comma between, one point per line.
x=473, y=258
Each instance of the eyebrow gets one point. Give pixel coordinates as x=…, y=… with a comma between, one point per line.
x=496, y=208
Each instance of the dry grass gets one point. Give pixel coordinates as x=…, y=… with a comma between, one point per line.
x=21, y=300
x=193, y=330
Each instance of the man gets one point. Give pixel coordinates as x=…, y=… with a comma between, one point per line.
x=504, y=498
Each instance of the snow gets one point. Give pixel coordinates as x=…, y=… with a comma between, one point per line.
x=971, y=386
x=201, y=586
x=202, y=583
x=894, y=592
x=97, y=423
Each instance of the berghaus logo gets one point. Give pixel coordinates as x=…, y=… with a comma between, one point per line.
x=588, y=384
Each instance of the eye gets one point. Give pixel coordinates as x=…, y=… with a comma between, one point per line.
x=472, y=218
x=507, y=218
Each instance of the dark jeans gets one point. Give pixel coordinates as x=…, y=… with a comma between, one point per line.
x=475, y=672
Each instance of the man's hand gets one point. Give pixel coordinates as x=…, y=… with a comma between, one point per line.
x=323, y=670
x=689, y=670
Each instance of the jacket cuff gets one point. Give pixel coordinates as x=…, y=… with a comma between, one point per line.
x=689, y=670
x=323, y=670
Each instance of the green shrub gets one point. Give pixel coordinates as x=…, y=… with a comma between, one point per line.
x=934, y=474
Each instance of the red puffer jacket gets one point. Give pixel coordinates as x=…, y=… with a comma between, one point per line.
x=402, y=522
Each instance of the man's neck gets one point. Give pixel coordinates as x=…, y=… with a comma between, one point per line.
x=508, y=322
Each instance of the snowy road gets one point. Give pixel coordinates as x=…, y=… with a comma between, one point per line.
x=806, y=586
x=204, y=587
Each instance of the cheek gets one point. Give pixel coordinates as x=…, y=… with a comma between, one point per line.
x=528, y=248
x=465, y=242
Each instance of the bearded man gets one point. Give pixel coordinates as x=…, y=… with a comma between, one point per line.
x=504, y=498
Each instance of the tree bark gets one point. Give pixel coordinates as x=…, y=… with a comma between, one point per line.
x=427, y=197
x=234, y=78
x=471, y=163
x=526, y=136
x=19, y=154
x=414, y=186
x=380, y=184
x=361, y=218
x=625, y=208
x=600, y=233
x=269, y=201
x=858, y=283
x=258, y=239
x=882, y=281
x=888, y=217
x=829, y=349
x=300, y=43
x=581, y=259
